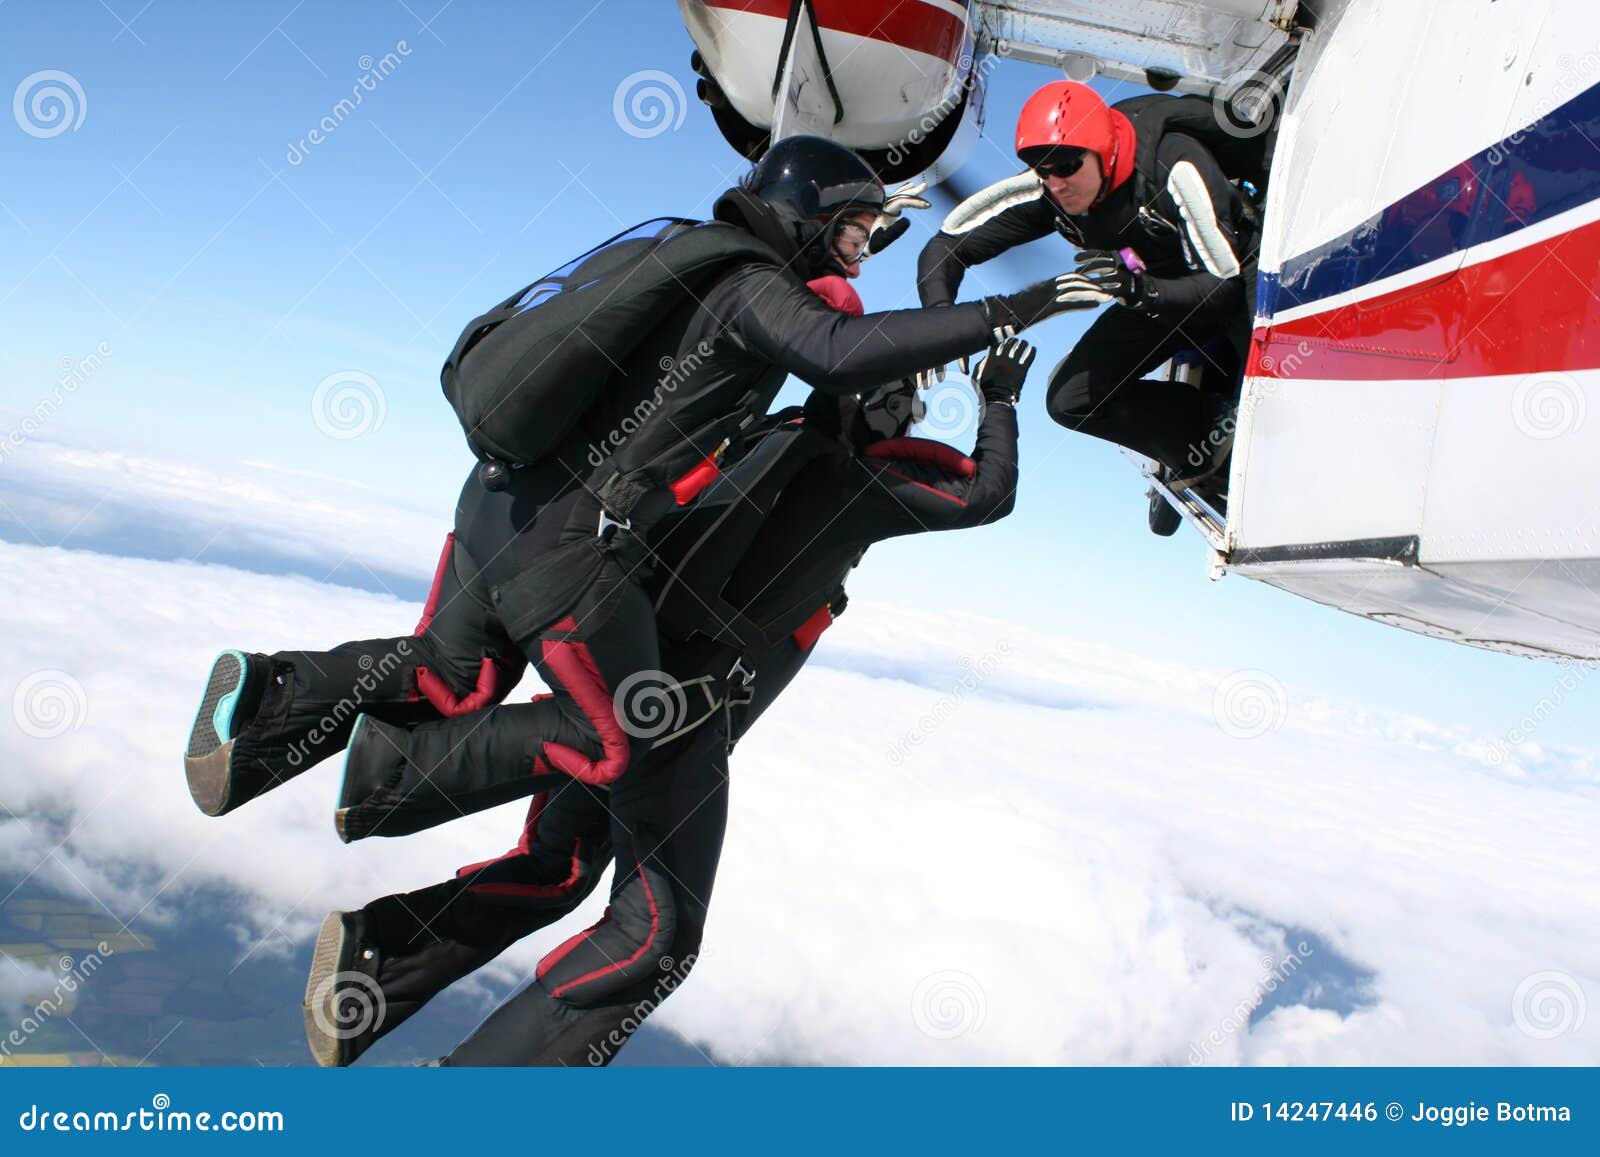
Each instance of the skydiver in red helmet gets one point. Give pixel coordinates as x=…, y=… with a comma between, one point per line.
x=1164, y=236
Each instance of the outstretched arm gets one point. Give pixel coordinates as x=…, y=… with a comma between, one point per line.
x=784, y=322
x=980, y=229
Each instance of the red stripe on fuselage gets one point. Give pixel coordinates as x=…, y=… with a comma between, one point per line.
x=1530, y=311
x=910, y=24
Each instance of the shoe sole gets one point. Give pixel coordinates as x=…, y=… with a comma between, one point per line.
x=329, y=958
x=345, y=786
x=211, y=779
x=345, y=802
x=213, y=723
x=208, y=760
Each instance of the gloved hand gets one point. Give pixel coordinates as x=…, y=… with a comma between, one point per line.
x=1105, y=270
x=1001, y=374
x=927, y=379
x=1013, y=312
x=890, y=225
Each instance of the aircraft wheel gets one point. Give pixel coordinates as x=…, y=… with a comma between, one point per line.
x=1164, y=520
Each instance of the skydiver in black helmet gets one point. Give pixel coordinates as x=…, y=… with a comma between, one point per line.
x=546, y=570
x=809, y=496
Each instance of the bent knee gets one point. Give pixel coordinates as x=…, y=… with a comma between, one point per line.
x=1068, y=406
x=631, y=947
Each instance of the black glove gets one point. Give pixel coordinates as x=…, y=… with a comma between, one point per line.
x=1014, y=312
x=1106, y=272
x=890, y=225
x=886, y=235
x=1001, y=374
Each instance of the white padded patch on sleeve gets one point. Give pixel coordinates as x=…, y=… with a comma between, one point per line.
x=1206, y=238
x=987, y=204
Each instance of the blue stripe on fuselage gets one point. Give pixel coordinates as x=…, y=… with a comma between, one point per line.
x=1549, y=167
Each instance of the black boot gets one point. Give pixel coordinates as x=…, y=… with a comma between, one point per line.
x=373, y=969
x=232, y=698
x=398, y=780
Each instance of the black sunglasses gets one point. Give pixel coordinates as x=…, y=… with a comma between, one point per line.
x=1061, y=164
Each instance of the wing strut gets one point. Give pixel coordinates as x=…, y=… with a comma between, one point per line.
x=803, y=70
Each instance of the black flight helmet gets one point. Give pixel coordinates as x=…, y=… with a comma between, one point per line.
x=811, y=184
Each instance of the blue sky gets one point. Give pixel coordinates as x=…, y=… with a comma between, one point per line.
x=228, y=281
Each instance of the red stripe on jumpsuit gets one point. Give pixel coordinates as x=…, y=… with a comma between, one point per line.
x=555, y=957
x=495, y=677
x=575, y=668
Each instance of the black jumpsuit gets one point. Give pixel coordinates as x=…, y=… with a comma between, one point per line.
x=1098, y=388
x=662, y=823
x=525, y=577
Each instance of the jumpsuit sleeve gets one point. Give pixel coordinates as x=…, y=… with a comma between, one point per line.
x=785, y=323
x=948, y=255
x=1202, y=203
x=909, y=497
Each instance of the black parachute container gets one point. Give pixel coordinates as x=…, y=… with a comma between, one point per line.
x=523, y=374
x=1243, y=152
x=696, y=549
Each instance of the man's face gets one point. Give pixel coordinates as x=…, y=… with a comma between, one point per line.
x=1076, y=194
x=850, y=240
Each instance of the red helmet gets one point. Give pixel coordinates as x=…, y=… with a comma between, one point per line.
x=1065, y=113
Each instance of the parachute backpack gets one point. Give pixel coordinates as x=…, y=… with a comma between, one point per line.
x=1242, y=156
x=522, y=375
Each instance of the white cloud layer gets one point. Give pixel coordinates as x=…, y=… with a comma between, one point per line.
x=951, y=842
x=255, y=515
